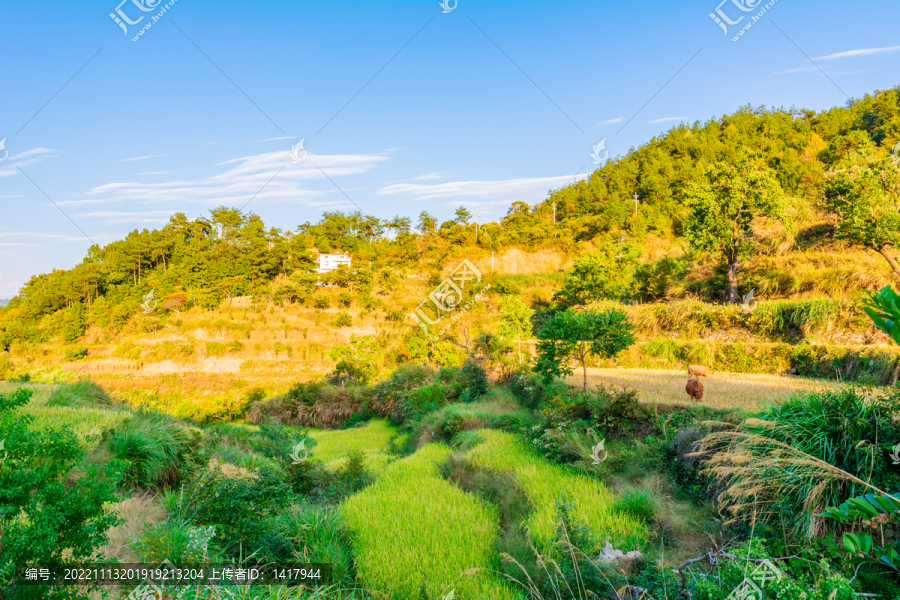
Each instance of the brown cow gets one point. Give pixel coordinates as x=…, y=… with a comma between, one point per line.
x=694, y=389
x=696, y=370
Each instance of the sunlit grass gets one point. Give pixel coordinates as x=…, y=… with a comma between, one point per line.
x=546, y=483
x=722, y=390
x=371, y=439
x=412, y=526
x=87, y=423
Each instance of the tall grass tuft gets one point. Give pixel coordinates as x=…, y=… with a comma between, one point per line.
x=795, y=459
x=159, y=449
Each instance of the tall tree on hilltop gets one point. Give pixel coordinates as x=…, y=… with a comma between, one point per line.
x=723, y=204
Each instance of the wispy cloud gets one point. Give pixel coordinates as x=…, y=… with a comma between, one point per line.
x=667, y=119
x=609, y=121
x=241, y=180
x=429, y=176
x=274, y=139
x=861, y=52
x=153, y=173
x=24, y=159
x=533, y=189
x=797, y=70
x=140, y=157
x=113, y=218
x=817, y=71
x=22, y=238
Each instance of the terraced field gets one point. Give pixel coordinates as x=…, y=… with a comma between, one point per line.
x=333, y=446
x=413, y=528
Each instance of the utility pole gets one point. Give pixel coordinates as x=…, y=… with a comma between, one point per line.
x=635, y=202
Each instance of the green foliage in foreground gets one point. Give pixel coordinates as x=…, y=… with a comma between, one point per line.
x=51, y=504
x=884, y=310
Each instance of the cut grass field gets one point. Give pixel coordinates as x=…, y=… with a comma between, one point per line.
x=546, y=484
x=333, y=446
x=722, y=390
x=412, y=528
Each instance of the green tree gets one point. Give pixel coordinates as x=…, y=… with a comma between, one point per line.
x=724, y=202
x=463, y=216
x=570, y=335
x=357, y=360
x=865, y=195
x=515, y=320
x=52, y=502
x=427, y=223
x=606, y=273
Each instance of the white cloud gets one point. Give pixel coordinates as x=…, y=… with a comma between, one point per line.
x=274, y=139
x=666, y=119
x=113, y=218
x=24, y=159
x=610, y=121
x=862, y=52
x=22, y=238
x=140, y=157
x=529, y=190
x=797, y=70
x=430, y=176
x=241, y=181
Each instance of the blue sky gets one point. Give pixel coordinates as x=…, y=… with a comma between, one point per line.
x=406, y=108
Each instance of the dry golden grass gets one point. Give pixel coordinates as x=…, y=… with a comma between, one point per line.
x=139, y=512
x=722, y=390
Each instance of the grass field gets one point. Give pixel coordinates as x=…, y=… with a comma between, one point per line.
x=545, y=484
x=411, y=527
x=87, y=423
x=333, y=446
x=722, y=390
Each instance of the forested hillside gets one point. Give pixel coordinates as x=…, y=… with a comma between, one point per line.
x=789, y=202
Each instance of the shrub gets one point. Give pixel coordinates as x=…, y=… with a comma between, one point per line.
x=343, y=320
x=474, y=378
x=639, y=504
x=54, y=504
x=241, y=508
x=321, y=301
x=160, y=451
x=345, y=299
x=76, y=353
x=394, y=314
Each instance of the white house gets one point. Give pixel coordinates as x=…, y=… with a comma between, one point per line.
x=330, y=262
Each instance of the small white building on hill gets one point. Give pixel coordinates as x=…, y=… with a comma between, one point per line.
x=330, y=262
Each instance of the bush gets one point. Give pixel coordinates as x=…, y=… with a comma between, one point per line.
x=54, y=508
x=639, y=504
x=343, y=320
x=160, y=450
x=321, y=301
x=474, y=379
x=394, y=314
x=241, y=508
x=345, y=299
x=76, y=353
